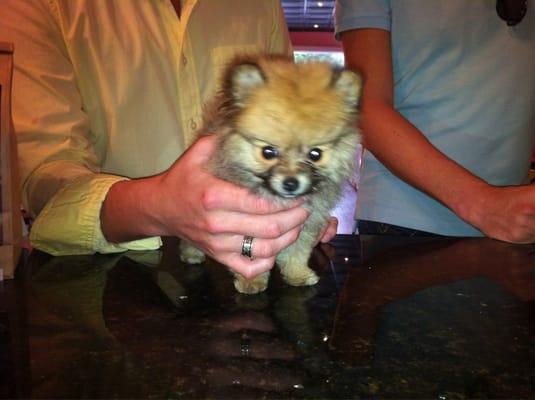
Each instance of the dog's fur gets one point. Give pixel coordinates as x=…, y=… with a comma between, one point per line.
x=303, y=118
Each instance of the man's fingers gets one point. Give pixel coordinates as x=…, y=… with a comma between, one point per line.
x=223, y=195
x=328, y=231
x=270, y=248
x=258, y=226
x=229, y=247
x=264, y=248
x=248, y=268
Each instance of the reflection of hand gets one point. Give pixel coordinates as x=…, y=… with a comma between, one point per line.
x=403, y=270
x=214, y=215
x=400, y=271
x=249, y=350
x=512, y=266
x=248, y=335
x=505, y=213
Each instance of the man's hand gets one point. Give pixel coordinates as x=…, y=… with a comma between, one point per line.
x=328, y=231
x=505, y=213
x=214, y=215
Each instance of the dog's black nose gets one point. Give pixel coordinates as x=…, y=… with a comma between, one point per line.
x=290, y=184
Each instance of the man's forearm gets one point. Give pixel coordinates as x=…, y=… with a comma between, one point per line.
x=128, y=211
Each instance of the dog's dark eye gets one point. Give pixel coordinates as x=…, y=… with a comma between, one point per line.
x=314, y=154
x=269, y=152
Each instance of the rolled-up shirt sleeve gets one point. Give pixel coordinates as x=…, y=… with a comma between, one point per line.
x=358, y=14
x=70, y=221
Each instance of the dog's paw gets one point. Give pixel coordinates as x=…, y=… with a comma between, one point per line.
x=251, y=286
x=190, y=254
x=301, y=277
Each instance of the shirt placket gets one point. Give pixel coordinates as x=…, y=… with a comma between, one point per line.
x=189, y=98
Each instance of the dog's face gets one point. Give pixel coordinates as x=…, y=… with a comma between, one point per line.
x=291, y=126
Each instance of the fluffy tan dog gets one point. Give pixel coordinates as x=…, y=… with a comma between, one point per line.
x=285, y=130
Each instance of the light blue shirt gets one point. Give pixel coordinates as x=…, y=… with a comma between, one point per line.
x=467, y=81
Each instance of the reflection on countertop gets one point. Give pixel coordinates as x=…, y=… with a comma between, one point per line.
x=391, y=317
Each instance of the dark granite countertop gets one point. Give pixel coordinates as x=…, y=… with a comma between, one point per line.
x=390, y=318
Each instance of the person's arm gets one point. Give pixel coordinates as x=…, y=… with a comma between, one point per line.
x=505, y=213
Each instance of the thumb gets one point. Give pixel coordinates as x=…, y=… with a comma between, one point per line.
x=203, y=148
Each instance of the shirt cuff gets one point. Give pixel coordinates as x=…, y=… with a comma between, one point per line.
x=69, y=224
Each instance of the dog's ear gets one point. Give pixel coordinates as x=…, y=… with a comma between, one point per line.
x=242, y=80
x=349, y=84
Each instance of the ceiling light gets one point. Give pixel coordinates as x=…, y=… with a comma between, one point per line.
x=316, y=26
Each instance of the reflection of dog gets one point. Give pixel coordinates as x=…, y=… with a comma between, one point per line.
x=286, y=130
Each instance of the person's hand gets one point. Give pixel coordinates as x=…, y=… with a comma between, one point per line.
x=505, y=213
x=215, y=215
x=328, y=231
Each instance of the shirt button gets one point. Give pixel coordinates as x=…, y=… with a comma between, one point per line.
x=192, y=124
x=184, y=59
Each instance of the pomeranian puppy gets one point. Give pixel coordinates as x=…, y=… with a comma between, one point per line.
x=285, y=130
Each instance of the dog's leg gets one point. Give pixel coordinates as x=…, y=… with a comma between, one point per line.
x=190, y=254
x=251, y=286
x=293, y=261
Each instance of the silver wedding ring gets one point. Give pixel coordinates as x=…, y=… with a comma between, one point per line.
x=247, y=247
